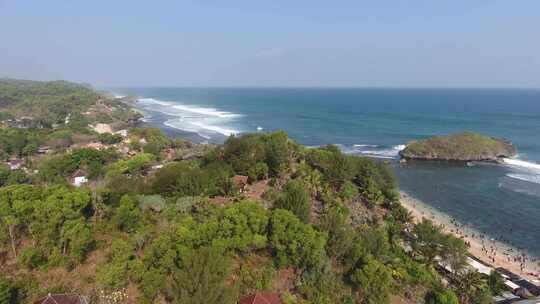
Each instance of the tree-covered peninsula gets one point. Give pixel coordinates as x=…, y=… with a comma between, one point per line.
x=466, y=146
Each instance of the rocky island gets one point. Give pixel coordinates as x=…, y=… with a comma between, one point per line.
x=466, y=146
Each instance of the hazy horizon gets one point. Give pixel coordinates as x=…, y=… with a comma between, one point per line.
x=388, y=44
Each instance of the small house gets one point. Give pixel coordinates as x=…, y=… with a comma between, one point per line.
x=157, y=167
x=261, y=298
x=123, y=133
x=62, y=299
x=15, y=163
x=79, y=178
x=44, y=150
x=241, y=182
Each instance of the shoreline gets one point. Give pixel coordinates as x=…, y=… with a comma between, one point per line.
x=482, y=247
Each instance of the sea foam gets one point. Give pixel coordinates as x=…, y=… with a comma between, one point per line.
x=224, y=131
x=525, y=177
x=201, y=120
x=155, y=101
x=522, y=164
x=382, y=152
x=206, y=111
x=525, y=171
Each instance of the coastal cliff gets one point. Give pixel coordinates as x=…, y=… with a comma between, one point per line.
x=466, y=146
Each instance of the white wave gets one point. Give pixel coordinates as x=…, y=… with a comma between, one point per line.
x=204, y=121
x=206, y=111
x=224, y=131
x=259, y=128
x=152, y=100
x=392, y=153
x=189, y=109
x=399, y=147
x=199, y=127
x=525, y=177
x=379, y=156
x=118, y=96
x=171, y=124
x=522, y=164
x=523, y=170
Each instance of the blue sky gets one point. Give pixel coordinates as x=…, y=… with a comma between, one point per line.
x=417, y=43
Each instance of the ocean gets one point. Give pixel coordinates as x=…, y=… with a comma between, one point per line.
x=502, y=201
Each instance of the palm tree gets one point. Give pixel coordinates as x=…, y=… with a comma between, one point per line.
x=313, y=180
x=469, y=284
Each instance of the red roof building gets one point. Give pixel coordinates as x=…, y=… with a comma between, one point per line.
x=62, y=299
x=261, y=298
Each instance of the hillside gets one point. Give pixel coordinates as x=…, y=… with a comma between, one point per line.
x=137, y=217
x=465, y=146
x=49, y=104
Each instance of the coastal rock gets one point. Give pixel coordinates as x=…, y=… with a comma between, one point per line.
x=466, y=147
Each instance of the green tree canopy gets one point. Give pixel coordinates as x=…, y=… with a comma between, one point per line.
x=296, y=199
x=201, y=279
x=374, y=281
x=295, y=243
x=443, y=296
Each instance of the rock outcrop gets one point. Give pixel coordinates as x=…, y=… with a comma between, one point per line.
x=466, y=146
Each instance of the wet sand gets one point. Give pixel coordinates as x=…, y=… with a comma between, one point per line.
x=481, y=246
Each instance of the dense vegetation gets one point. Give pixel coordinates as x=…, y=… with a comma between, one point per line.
x=47, y=103
x=465, y=146
x=323, y=226
x=54, y=113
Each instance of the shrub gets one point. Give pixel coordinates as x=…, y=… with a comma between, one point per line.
x=128, y=216
x=154, y=203
x=374, y=281
x=245, y=152
x=109, y=139
x=258, y=172
x=31, y=257
x=7, y=292
x=348, y=191
x=244, y=225
x=443, y=296
x=115, y=273
x=295, y=243
x=296, y=199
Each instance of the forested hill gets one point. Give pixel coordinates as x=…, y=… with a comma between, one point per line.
x=46, y=104
x=131, y=216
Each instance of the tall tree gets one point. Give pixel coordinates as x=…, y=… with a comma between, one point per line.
x=471, y=287
x=427, y=240
x=201, y=279
x=17, y=204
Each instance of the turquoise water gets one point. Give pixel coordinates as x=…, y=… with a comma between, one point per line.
x=501, y=200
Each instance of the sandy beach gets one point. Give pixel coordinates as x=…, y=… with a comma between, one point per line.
x=483, y=247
